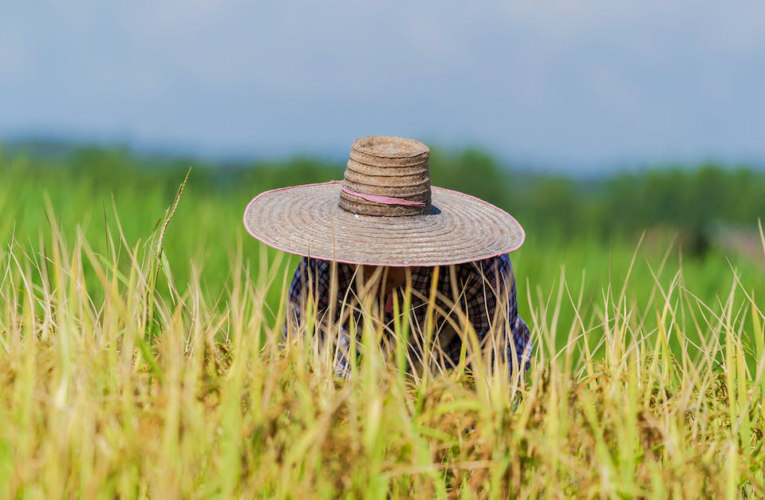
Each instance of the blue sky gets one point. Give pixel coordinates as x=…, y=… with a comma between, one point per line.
x=564, y=84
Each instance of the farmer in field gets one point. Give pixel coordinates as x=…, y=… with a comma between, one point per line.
x=389, y=232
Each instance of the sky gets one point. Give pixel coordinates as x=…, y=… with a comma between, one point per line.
x=578, y=85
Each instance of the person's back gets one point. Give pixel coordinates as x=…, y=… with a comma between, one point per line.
x=482, y=292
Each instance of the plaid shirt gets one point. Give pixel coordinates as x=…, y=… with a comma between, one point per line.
x=480, y=286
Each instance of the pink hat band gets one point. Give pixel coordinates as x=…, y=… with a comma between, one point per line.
x=385, y=200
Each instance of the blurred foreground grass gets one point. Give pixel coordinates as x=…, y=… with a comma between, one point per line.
x=647, y=378
x=109, y=389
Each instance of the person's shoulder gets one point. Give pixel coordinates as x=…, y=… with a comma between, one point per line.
x=497, y=262
x=322, y=269
x=502, y=259
x=487, y=270
x=312, y=266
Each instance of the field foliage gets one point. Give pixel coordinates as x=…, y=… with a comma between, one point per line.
x=141, y=351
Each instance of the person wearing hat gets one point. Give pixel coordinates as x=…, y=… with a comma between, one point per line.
x=384, y=230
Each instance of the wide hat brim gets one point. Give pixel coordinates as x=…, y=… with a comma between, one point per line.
x=307, y=220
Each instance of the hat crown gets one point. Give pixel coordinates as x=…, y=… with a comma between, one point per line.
x=387, y=176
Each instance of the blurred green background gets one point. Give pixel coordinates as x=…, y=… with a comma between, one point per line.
x=701, y=218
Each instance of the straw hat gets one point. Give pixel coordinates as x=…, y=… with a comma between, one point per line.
x=384, y=212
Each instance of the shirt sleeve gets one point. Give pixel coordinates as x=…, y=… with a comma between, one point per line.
x=488, y=283
x=311, y=280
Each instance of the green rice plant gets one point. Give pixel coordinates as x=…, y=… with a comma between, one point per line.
x=655, y=393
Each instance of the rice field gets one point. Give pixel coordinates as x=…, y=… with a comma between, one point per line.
x=145, y=359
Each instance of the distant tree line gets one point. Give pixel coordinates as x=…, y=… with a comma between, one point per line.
x=626, y=203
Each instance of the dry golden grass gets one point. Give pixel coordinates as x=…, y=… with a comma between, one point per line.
x=109, y=388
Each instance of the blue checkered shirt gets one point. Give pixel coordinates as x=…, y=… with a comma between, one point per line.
x=481, y=286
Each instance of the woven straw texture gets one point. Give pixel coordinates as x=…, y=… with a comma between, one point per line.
x=383, y=212
x=308, y=221
x=387, y=166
